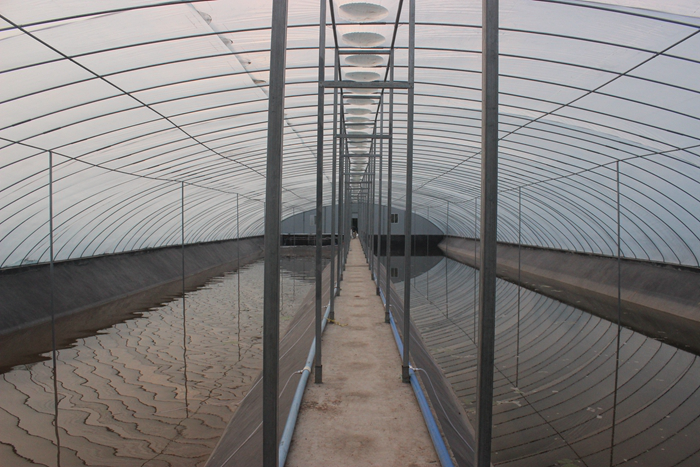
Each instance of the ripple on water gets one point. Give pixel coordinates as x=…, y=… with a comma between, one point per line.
x=154, y=388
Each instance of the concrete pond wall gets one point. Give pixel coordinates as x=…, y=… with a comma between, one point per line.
x=94, y=293
x=661, y=301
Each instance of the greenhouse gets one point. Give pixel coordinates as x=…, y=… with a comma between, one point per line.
x=350, y=232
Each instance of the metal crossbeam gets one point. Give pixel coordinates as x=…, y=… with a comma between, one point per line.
x=347, y=136
x=365, y=51
x=364, y=85
x=362, y=155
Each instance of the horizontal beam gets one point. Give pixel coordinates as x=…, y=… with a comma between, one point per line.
x=379, y=51
x=365, y=85
x=362, y=155
x=347, y=136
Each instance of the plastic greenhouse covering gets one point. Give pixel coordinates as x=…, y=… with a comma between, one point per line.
x=137, y=104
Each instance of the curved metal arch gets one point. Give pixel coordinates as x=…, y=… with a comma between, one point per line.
x=440, y=177
x=94, y=206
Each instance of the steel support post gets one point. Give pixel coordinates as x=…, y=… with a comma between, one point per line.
x=318, y=369
x=389, y=164
x=427, y=237
x=370, y=237
x=348, y=225
x=370, y=212
x=238, y=274
x=361, y=206
x=182, y=239
x=447, y=249
x=489, y=212
x=476, y=302
x=273, y=212
x=52, y=293
x=362, y=221
x=368, y=209
x=379, y=214
x=405, y=376
x=373, y=232
x=517, y=337
x=331, y=314
x=184, y=299
x=619, y=313
x=361, y=212
x=341, y=202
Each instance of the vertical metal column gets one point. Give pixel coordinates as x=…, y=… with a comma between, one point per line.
x=387, y=292
x=318, y=370
x=447, y=249
x=238, y=275
x=427, y=273
x=341, y=201
x=182, y=239
x=52, y=292
x=489, y=212
x=520, y=286
x=619, y=314
x=372, y=187
x=381, y=170
x=476, y=303
x=348, y=211
x=363, y=221
x=334, y=249
x=349, y=200
x=405, y=376
x=184, y=299
x=273, y=212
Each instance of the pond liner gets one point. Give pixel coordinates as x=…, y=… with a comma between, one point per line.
x=456, y=429
x=241, y=443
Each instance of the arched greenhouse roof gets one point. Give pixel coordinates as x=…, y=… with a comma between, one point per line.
x=135, y=102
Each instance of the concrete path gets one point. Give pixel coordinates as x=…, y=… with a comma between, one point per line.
x=362, y=414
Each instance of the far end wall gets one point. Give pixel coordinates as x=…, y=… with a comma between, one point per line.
x=303, y=222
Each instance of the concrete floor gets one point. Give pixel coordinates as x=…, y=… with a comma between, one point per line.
x=362, y=414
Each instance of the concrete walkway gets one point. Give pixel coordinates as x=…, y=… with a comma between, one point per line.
x=362, y=414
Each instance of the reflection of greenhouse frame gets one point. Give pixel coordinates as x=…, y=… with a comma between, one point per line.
x=597, y=156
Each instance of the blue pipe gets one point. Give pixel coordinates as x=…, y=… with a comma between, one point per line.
x=298, y=395
x=438, y=442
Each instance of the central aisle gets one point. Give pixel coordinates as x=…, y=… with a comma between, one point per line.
x=362, y=414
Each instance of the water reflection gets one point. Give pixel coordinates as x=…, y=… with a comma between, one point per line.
x=153, y=390
x=566, y=391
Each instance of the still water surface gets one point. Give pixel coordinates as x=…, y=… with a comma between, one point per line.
x=565, y=393
x=156, y=390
